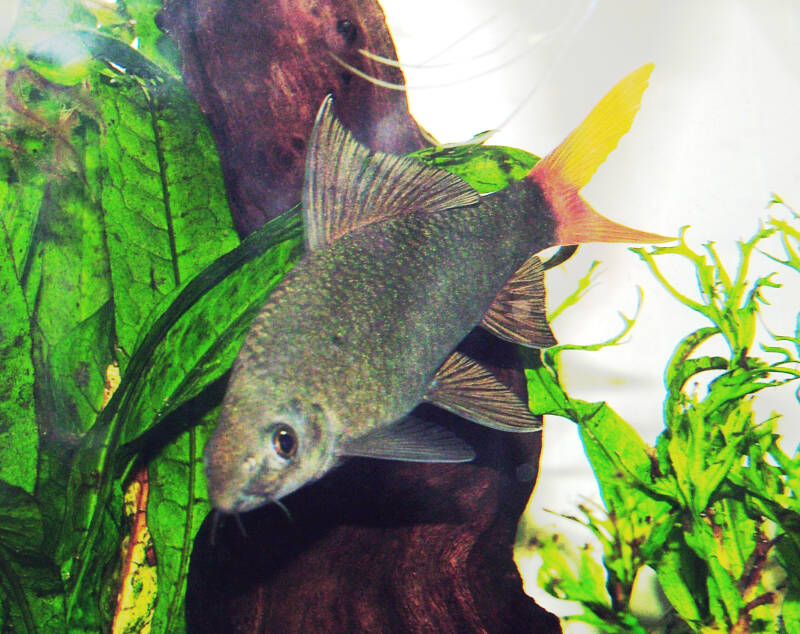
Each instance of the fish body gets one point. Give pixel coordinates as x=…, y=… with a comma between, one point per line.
x=403, y=261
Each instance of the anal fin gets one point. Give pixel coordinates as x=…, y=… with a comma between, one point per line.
x=412, y=440
x=518, y=312
x=466, y=388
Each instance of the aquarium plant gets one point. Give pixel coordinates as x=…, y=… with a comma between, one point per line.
x=712, y=508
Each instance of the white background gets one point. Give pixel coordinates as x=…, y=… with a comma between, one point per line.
x=717, y=133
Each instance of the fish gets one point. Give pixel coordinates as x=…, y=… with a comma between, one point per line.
x=402, y=261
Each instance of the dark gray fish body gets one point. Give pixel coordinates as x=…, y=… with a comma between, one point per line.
x=364, y=327
x=384, y=306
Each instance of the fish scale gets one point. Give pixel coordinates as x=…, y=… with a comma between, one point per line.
x=440, y=272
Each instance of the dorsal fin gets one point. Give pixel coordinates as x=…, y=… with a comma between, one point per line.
x=348, y=186
x=518, y=312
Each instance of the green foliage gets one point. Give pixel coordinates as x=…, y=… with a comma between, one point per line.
x=119, y=256
x=487, y=168
x=712, y=508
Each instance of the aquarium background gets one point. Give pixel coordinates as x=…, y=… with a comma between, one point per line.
x=717, y=134
x=715, y=140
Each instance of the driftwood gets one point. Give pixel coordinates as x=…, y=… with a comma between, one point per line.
x=376, y=546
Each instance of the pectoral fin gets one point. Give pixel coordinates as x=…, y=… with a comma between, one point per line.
x=412, y=440
x=518, y=313
x=468, y=389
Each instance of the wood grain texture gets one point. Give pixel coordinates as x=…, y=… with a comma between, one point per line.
x=259, y=70
x=375, y=546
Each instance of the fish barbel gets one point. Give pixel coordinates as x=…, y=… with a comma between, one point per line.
x=402, y=261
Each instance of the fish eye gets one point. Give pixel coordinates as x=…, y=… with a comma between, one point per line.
x=284, y=441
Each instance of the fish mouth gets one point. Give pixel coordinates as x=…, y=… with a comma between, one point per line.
x=248, y=502
x=233, y=503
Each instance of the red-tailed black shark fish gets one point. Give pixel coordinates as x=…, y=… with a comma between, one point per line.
x=402, y=261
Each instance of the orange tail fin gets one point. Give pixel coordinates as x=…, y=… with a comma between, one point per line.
x=571, y=165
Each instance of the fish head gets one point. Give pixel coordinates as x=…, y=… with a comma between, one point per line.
x=261, y=452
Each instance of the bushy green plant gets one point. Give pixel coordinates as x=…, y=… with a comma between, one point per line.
x=714, y=504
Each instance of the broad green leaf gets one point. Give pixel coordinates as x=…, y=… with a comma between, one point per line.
x=198, y=337
x=52, y=232
x=19, y=438
x=88, y=552
x=70, y=362
x=21, y=192
x=76, y=339
x=80, y=364
x=165, y=209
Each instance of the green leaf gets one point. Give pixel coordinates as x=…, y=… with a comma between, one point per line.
x=52, y=229
x=612, y=445
x=31, y=594
x=789, y=557
x=188, y=347
x=166, y=212
x=178, y=506
x=21, y=191
x=154, y=44
x=19, y=438
x=565, y=578
x=545, y=394
x=488, y=168
x=197, y=339
x=722, y=588
x=621, y=623
x=680, y=575
x=70, y=352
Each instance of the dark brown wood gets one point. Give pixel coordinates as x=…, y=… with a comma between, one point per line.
x=259, y=70
x=376, y=546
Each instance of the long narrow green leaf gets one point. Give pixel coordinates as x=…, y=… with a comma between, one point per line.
x=178, y=506
x=148, y=390
x=31, y=593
